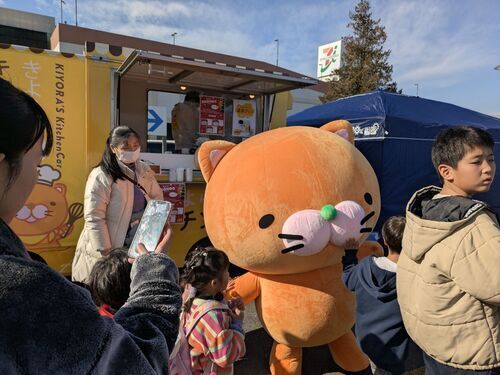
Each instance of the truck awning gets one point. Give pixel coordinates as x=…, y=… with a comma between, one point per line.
x=172, y=72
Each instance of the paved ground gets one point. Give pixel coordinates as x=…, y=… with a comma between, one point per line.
x=316, y=361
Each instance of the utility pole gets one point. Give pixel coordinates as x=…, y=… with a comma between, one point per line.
x=76, y=12
x=416, y=84
x=277, y=50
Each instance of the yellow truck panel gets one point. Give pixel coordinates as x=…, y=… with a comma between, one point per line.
x=76, y=93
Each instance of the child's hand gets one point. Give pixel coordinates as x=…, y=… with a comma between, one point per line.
x=140, y=249
x=230, y=292
x=237, y=308
x=351, y=244
x=236, y=303
x=237, y=314
x=230, y=284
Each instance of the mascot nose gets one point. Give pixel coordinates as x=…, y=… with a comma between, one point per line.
x=305, y=233
x=345, y=220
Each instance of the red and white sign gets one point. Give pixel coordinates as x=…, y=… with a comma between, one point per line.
x=211, y=115
x=174, y=193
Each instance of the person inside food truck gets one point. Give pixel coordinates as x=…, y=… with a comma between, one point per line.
x=185, y=122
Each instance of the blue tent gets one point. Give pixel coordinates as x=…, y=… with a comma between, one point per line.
x=395, y=133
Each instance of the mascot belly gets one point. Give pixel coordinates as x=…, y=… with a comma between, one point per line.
x=287, y=301
x=282, y=204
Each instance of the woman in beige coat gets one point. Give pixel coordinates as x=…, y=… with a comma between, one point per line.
x=116, y=194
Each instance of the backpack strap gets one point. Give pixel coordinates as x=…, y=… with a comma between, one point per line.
x=202, y=314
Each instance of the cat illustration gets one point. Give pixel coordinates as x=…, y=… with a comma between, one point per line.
x=46, y=218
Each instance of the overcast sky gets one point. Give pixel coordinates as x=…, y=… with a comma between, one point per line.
x=448, y=47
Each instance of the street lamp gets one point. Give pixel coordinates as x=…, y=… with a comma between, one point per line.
x=76, y=12
x=173, y=36
x=62, y=2
x=277, y=50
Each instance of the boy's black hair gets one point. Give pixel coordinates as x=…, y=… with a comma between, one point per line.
x=392, y=232
x=203, y=265
x=452, y=144
x=22, y=123
x=109, y=280
x=109, y=161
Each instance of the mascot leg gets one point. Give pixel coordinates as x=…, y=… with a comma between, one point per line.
x=285, y=360
x=347, y=354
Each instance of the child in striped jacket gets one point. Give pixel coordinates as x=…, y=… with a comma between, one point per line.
x=217, y=340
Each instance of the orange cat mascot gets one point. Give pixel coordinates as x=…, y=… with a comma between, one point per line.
x=282, y=204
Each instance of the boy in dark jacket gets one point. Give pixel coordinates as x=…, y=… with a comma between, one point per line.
x=379, y=325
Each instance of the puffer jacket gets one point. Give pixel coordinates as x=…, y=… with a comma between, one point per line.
x=448, y=280
x=107, y=212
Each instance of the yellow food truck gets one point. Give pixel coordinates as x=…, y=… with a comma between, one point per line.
x=86, y=95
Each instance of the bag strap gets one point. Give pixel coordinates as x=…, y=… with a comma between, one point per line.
x=137, y=184
x=202, y=314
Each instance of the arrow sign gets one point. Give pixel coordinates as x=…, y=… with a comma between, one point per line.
x=156, y=120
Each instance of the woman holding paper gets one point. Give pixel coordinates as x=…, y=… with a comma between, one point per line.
x=116, y=194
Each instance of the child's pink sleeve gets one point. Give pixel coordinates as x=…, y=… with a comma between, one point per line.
x=222, y=345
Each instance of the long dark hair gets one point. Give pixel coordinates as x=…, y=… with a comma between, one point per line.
x=109, y=161
x=22, y=123
x=202, y=266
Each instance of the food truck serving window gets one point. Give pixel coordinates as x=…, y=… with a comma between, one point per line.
x=192, y=100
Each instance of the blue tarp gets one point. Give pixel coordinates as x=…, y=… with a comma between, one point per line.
x=395, y=133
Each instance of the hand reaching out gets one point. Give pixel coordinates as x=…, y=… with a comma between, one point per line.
x=162, y=247
x=237, y=308
x=351, y=244
x=231, y=284
x=165, y=240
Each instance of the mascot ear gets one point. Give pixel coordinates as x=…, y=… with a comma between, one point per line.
x=342, y=128
x=210, y=154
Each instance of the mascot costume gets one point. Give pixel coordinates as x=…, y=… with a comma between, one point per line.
x=282, y=204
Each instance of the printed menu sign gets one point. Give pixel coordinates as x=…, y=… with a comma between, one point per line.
x=211, y=115
x=174, y=193
x=244, y=115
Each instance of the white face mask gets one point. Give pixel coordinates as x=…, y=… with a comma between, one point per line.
x=129, y=157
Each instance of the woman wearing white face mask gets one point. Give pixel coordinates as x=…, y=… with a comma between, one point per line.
x=116, y=194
